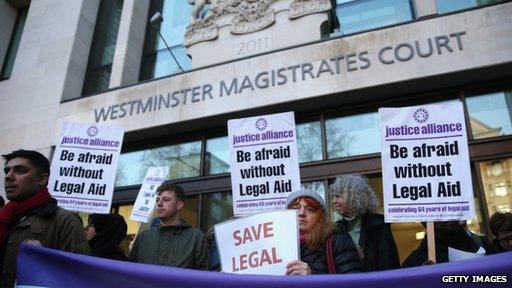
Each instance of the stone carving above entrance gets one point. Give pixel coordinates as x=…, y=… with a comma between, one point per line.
x=300, y=8
x=252, y=15
x=231, y=29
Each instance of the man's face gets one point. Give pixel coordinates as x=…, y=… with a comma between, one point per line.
x=167, y=206
x=308, y=216
x=22, y=180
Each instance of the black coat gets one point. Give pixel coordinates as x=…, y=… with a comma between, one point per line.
x=346, y=259
x=461, y=241
x=376, y=240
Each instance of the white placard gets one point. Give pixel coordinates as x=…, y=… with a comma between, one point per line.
x=425, y=163
x=259, y=244
x=84, y=165
x=146, y=199
x=264, y=162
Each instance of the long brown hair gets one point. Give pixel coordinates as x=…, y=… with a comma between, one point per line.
x=322, y=227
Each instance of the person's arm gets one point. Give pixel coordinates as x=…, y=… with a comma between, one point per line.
x=72, y=235
x=346, y=259
x=134, y=252
x=201, y=252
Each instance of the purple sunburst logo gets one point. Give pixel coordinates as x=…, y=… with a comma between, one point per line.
x=261, y=124
x=92, y=131
x=421, y=115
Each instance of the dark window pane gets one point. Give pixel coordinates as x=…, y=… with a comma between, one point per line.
x=352, y=135
x=216, y=208
x=103, y=46
x=217, y=155
x=490, y=115
x=309, y=142
x=97, y=80
x=360, y=15
x=182, y=159
x=14, y=43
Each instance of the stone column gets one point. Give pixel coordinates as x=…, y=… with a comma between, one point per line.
x=130, y=43
x=425, y=8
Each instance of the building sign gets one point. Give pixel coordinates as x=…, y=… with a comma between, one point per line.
x=264, y=162
x=425, y=163
x=84, y=166
x=294, y=75
x=259, y=244
x=146, y=199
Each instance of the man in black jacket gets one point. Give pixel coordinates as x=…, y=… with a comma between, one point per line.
x=449, y=234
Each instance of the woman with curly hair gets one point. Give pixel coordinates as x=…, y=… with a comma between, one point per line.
x=319, y=241
x=355, y=201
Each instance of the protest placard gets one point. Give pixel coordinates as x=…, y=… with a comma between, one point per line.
x=84, y=165
x=146, y=199
x=264, y=162
x=425, y=163
x=258, y=244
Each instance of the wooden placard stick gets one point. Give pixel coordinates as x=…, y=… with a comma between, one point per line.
x=431, y=242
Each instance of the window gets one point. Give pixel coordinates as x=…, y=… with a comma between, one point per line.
x=182, y=159
x=157, y=60
x=361, y=15
x=446, y=6
x=217, y=156
x=352, y=135
x=490, y=115
x=216, y=207
x=101, y=55
x=14, y=43
x=309, y=141
x=497, y=183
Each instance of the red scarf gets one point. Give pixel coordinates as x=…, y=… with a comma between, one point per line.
x=304, y=236
x=13, y=211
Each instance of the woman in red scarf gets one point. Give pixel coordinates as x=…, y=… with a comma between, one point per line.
x=322, y=249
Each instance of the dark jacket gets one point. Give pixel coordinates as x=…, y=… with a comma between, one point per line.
x=376, y=241
x=498, y=246
x=53, y=227
x=110, y=230
x=346, y=259
x=461, y=241
x=176, y=246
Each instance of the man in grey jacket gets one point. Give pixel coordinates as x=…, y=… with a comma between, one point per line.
x=173, y=242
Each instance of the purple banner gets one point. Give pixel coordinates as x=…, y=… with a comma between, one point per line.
x=43, y=267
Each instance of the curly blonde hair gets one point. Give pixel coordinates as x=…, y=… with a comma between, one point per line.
x=356, y=190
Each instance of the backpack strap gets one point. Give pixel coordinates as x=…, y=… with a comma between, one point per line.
x=329, y=256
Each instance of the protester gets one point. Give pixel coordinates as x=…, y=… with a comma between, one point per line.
x=355, y=201
x=501, y=228
x=453, y=234
x=316, y=233
x=213, y=251
x=32, y=215
x=173, y=242
x=104, y=233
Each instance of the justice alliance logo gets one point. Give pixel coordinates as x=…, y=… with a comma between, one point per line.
x=92, y=131
x=261, y=124
x=421, y=115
